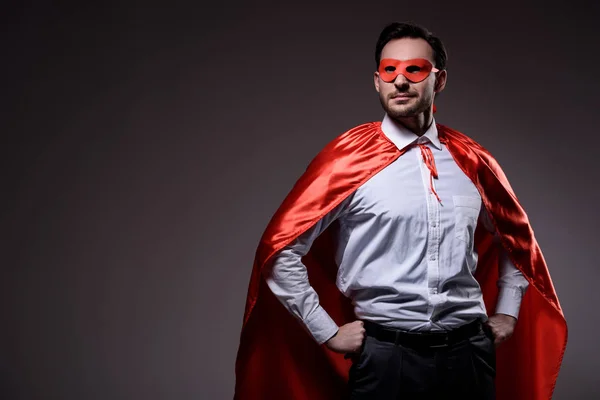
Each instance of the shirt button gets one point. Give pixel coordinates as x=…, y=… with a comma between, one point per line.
x=432, y=258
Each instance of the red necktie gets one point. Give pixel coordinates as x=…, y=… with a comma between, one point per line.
x=430, y=162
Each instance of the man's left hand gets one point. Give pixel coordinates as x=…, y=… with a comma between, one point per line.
x=502, y=327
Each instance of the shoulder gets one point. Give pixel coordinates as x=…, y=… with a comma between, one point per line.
x=467, y=143
x=346, y=142
x=357, y=133
x=455, y=135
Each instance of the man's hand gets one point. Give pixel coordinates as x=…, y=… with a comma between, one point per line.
x=348, y=339
x=502, y=327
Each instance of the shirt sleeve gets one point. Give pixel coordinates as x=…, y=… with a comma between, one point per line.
x=512, y=285
x=288, y=280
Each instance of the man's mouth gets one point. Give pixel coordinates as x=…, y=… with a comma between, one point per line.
x=401, y=96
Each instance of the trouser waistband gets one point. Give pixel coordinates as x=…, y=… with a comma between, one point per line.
x=423, y=339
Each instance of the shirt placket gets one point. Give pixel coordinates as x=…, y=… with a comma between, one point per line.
x=433, y=236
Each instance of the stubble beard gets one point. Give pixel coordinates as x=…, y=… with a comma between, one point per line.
x=404, y=110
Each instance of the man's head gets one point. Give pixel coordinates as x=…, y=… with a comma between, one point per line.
x=412, y=91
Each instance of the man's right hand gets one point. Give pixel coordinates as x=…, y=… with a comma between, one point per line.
x=348, y=339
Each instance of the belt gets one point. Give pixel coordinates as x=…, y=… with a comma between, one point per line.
x=423, y=339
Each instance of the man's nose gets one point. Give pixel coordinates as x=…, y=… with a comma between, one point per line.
x=401, y=81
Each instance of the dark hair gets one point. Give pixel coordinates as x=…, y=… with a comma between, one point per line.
x=398, y=30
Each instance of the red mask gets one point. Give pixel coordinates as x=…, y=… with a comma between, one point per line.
x=415, y=70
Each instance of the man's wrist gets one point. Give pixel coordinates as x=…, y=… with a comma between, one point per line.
x=321, y=326
x=332, y=336
x=509, y=301
x=506, y=315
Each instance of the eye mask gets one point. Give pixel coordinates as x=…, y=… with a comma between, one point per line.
x=415, y=70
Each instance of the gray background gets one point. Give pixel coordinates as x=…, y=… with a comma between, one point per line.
x=145, y=148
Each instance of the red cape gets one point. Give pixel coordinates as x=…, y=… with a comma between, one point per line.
x=278, y=359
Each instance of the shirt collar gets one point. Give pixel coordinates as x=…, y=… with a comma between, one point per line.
x=402, y=136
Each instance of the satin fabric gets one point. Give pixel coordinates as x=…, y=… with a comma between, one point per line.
x=277, y=358
x=402, y=67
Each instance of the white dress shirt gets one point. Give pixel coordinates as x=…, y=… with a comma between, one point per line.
x=405, y=259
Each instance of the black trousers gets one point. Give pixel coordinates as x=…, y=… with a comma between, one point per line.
x=463, y=370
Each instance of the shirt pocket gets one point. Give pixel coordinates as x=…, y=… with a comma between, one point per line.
x=466, y=213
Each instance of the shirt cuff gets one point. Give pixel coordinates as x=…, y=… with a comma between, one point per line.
x=509, y=301
x=320, y=325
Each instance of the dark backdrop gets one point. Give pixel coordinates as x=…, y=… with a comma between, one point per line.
x=145, y=147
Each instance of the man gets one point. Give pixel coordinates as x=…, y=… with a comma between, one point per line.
x=412, y=222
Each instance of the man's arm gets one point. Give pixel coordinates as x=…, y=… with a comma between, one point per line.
x=288, y=280
x=512, y=286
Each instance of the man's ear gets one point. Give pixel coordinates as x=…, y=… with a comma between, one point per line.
x=440, y=81
x=376, y=80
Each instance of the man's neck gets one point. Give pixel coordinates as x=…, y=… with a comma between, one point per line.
x=417, y=124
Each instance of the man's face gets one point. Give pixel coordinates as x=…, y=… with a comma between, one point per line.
x=402, y=98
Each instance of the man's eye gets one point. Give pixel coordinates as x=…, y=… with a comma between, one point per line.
x=413, y=69
x=390, y=69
